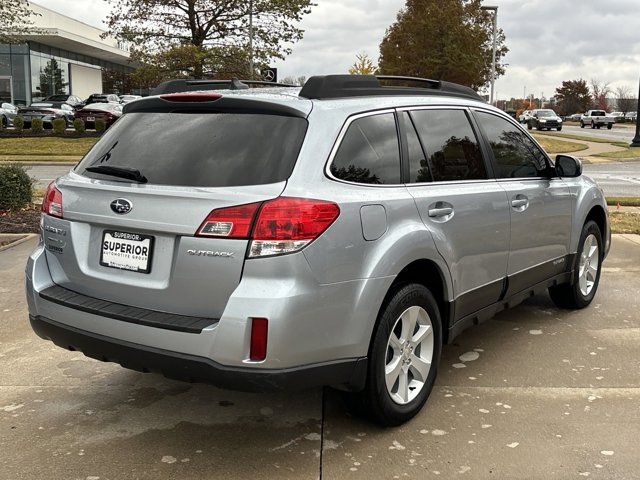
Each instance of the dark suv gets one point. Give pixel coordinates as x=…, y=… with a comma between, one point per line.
x=544, y=119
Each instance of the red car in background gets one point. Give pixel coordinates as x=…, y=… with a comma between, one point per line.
x=109, y=112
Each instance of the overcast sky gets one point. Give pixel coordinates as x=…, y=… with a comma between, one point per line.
x=549, y=40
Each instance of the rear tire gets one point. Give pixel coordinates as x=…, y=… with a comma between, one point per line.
x=408, y=332
x=586, y=277
x=529, y=126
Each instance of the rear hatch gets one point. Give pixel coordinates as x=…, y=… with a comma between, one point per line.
x=134, y=240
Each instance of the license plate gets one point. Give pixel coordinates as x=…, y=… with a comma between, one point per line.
x=91, y=119
x=126, y=251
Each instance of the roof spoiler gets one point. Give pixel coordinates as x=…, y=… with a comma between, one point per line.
x=190, y=85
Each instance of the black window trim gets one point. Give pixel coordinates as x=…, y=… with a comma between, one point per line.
x=479, y=137
x=485, y=140
x=343, y=132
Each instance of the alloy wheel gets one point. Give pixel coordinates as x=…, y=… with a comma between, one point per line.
x=589, y=264
x=409, y=355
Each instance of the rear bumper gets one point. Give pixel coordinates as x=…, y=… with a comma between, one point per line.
x=192, y=368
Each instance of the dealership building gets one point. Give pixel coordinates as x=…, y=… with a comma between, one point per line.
x=62, y=56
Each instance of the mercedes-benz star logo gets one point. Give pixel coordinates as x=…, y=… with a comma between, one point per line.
x=269, y=75
x=121, y=206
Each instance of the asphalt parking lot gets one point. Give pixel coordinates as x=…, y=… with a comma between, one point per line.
x=534, y=393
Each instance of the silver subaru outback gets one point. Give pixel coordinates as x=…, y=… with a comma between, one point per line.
x=338, y=235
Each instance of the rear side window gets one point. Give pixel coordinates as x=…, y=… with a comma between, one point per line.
x=369, y=152
x=201, y=150
x=451, y=146
x=516, y=155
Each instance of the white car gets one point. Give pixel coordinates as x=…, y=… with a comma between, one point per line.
x=8, y=111
x=524, y=116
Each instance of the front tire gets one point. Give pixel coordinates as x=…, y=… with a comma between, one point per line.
x=581, y=124
x=609, y=127
x=559, y=129
x=403, y=357
x=586, y=275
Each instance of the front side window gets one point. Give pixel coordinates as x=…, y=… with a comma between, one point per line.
x=369, y=152
x=451, y=146
x=516, y=155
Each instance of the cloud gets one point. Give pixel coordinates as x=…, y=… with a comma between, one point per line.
x=549, y=40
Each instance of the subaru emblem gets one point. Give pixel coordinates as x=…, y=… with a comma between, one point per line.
x=121, y=206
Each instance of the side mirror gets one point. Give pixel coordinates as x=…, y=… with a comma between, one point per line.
x=568, y=166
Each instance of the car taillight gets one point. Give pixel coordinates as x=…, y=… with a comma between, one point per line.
x=286, y=225
x=52, y=202
x=283, y=225
x=230, y=222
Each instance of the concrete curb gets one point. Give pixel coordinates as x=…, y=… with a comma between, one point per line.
x=21, y=238
x=41, y=164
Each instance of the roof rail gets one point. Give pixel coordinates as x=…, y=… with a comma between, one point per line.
x=341, y=86
x=191, y=85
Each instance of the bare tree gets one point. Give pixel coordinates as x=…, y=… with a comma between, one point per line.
x=16, y=18
x=301, y=80
x=599, y=92
x=624, y=100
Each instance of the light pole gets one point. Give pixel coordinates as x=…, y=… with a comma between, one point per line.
x=495, y=41
x=636, y=140
x=251, y=38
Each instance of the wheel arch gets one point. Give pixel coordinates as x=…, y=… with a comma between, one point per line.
x=430, y=274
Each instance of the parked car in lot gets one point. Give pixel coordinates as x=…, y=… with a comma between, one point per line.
x=8, y=112
x=47, y=112
x=102, y=98
x=109, y=112
x=129, y=98
x=631, y=115
x=575, y=117
x=544, y=119
x=335, y=235
x=524, y=116
x=616, y=115
x=597, y=119
x=74, y=101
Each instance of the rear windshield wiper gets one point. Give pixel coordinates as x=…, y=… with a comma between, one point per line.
x=121, y=172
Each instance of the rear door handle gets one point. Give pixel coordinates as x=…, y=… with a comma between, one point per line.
x=520, y=202
x=440, y=212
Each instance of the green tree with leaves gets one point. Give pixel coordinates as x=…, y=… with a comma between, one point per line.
x=206, y=38
x=51, y=81
x=573, y=97
x=15, y=19
x=363, y=65
x=450, y=40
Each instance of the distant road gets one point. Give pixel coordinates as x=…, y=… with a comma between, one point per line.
x=619, y=133
x=619, y=179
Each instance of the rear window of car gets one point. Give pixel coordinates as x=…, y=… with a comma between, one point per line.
x=200, y=149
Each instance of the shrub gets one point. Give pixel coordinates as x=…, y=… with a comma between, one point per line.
x=36, y=125
x=59, y=125
x=15, y=187
x=100, y=125
x=78, y=125
x=18, y=123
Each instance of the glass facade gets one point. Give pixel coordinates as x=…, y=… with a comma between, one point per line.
x=37, y=71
